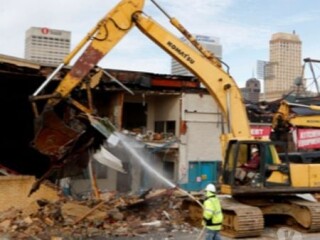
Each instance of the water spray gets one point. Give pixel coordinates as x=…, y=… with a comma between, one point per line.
x=149, y=168
x=108, y=130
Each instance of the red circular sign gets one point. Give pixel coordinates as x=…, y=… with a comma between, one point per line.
x=45, y=30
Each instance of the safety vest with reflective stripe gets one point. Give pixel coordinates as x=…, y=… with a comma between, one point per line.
x=212, y=213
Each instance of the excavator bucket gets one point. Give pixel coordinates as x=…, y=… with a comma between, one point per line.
x=53, y=137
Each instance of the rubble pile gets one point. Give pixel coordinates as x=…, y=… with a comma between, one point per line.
x=115, y=215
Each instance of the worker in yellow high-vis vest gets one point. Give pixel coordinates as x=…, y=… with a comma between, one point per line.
x=212, y=213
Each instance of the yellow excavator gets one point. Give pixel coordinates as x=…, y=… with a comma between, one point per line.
x=287, y=117
x=273, y=190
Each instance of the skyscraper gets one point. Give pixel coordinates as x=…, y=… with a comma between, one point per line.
x=46, y=46
x=284, y=65
x=212, y=44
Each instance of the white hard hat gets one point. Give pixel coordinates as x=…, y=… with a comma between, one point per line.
x=210, y=187
x=253, y=150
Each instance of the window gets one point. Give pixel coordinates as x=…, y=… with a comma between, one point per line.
x=165, y=127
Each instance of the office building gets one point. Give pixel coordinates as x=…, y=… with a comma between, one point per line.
x=212, y=44
x=261, y=67
x=47, y=46
x=284, y=65
x=252, y=90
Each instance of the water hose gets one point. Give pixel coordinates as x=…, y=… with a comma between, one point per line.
x=200, y=204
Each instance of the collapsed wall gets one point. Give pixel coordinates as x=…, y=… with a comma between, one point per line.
x=15, y=190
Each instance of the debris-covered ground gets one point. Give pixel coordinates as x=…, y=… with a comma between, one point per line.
x=161, y=214
x=163, y=211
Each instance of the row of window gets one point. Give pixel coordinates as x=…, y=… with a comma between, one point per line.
x=45, y=58
x=37, y=52
x=52, y=39
x=51, y=42
x=50, y=45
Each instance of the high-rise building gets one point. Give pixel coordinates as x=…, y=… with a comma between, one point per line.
x=261, y=67
x=46, y=46
x=284, y=66
x=212, y=44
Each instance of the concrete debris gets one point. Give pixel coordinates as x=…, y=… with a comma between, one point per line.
x=120, y=215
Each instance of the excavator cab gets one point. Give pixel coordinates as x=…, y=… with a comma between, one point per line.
x=270, y=171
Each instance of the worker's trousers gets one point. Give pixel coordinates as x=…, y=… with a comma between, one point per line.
x=212, y=235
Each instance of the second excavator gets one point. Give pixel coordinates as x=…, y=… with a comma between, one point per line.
x=289, y=115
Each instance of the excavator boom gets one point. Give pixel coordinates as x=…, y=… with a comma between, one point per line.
x=218, y=82
x=105, y=35
x=285, y=114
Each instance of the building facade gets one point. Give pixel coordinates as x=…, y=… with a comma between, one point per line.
x=284, y=65
x=252, y=90
x=212, y=44
x=46, y=46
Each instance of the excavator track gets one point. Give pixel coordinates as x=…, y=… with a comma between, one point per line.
x=241, y=220
x=308, y=216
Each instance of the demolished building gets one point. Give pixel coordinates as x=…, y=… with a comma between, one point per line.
x=173, y=116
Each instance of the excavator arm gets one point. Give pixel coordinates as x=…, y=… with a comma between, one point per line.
x=218, y=82
x=104, y=36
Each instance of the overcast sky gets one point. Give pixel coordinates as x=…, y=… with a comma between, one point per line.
x=243, y=26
